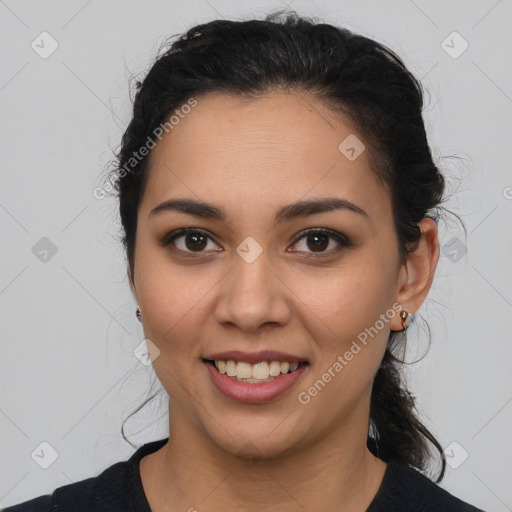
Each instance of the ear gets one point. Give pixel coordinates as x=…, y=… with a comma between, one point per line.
x=417, y=273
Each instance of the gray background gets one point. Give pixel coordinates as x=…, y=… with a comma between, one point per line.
x=68, y=331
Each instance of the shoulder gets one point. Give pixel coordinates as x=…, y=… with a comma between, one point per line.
x=76, y=497
x=40, y=504
x=404, y=489
x=117, y=488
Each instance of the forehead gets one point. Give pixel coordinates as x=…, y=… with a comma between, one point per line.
x=274, y=149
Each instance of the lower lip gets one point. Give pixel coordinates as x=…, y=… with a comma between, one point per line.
x=254, y=393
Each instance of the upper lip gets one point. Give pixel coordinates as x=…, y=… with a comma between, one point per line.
x=254, y=357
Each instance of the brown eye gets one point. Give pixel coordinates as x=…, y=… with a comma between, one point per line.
x=319, y=240
x=195, y=241
x=189, y=241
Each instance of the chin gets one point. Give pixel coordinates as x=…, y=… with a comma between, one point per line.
x=255, y=438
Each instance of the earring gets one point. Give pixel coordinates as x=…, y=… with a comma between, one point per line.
x=138, y=314
x=404, y=315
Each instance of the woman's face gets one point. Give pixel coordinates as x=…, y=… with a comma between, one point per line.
x=250, y=279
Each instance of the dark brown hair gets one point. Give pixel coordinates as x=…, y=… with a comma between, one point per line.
x=355, y=76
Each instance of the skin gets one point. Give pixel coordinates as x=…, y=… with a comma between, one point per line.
x=241, y=156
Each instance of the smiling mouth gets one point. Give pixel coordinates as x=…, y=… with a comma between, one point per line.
x=258, y=373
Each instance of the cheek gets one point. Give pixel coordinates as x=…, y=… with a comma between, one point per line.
x=173, y=302
x=350, y=300
x=354, y=331
x=173, y=325
x=174, y=316
x=167, y=292
x=351, y=323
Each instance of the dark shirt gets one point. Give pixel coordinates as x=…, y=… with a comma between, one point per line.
x=119, y=489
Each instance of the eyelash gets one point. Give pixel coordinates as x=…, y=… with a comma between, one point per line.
x=342, y=240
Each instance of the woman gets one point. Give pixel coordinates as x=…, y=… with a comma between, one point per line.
x=279, y=203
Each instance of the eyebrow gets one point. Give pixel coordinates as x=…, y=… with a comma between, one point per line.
x=285, y=214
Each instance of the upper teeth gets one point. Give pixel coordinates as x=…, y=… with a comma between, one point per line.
x=260, y=371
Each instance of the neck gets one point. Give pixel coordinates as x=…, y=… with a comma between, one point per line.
x=191, y=473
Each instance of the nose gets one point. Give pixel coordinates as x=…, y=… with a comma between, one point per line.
x=253, y=295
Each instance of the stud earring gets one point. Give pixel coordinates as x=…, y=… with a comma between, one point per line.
x=138, y=314
x=404, y=315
